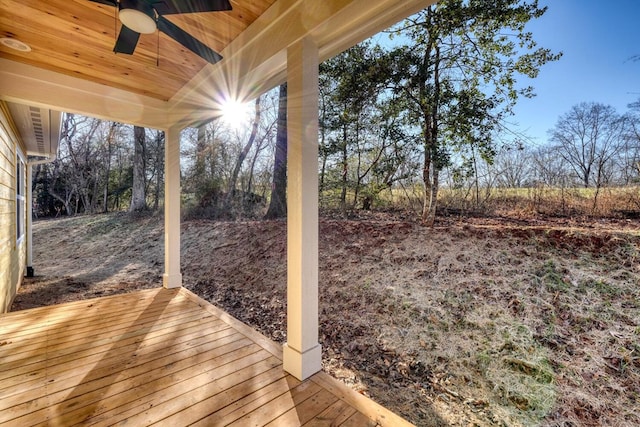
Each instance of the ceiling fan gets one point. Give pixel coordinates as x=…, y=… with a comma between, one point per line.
x=145, y=16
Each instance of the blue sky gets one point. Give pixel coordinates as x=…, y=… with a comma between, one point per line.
x=597, y=38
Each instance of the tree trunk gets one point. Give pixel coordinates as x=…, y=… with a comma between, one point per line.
x=345, y=170
x=256, y=154
x=432, y=161
x=159, y=168
x=138, y=196
x=201, y=150
x=426, y=181
x=278, y=203
x=356, y=187
x=429, y=217
x=66, y=201
x=323, y=150
x=476, y=182
x=243, y=155
x=105, y=194
x=323, y=169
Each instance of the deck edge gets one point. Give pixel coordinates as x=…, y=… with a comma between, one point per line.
x=365, y=405
x=255, y=336
x=373, y=410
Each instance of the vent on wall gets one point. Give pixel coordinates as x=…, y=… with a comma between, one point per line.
x=38, y=127
x=36, y=122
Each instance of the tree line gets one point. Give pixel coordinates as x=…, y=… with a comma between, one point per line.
x=400, y=121
x=96, y=167
x=591, y=148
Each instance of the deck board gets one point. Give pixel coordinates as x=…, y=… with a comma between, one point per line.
x=68, y=363
x=159, y=357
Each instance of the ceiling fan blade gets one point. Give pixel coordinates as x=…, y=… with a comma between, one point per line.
x=188, y=41
x=168, y=7
x=127, y=41
x=107, y=2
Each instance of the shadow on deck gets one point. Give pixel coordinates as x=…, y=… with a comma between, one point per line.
x=163, y=357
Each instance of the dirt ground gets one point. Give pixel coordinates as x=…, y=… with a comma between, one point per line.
x=476, y=322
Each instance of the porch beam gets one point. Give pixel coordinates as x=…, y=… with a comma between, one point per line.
x=26, y=84
x=172, y=277
x=255, y=61
x=302, y=352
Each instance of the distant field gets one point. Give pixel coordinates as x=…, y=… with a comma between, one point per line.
x=610, y=202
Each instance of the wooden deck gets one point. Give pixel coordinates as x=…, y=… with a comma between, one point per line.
x=162, y=357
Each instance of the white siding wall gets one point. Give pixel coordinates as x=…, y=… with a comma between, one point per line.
x=12, y=248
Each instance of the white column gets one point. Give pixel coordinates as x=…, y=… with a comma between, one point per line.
x=29, y=221
x=172, y=277
x=302, y=353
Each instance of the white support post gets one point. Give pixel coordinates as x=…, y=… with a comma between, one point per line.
x=29, y=221
x=172, y=277
x=302, y=354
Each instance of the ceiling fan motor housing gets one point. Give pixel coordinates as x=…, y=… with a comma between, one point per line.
x=138, y=16
x=147, y=17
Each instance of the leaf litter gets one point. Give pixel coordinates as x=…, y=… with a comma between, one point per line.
x=478, y=321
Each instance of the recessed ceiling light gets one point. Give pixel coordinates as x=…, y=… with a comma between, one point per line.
x=15, y=44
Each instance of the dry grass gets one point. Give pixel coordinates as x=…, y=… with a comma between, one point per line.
x=609, y=202
x=478, y=322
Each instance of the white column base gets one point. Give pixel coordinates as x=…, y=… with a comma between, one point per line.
x=302, y=365
x=171, y=281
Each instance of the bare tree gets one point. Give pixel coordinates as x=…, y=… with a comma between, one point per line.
x=549, y=168
x=243, y=155
x=514, y=167
x=201, y=150
x=80, y=158
x=587, y=138
x=630, y=156
x=56, y=186
x=208, y=162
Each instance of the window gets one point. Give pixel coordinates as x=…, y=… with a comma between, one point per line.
x=20, y=198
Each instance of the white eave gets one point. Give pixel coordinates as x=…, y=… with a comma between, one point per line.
x=39, y=129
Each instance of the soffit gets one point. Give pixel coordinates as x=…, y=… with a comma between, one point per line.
x=38, y=128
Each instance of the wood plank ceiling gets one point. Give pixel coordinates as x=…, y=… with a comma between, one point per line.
x=76, y=38
x=72, y=67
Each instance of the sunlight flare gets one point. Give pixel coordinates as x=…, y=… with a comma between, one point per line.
x=235, y=113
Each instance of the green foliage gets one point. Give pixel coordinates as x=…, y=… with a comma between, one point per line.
x=459, y=73
x=364, y=146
